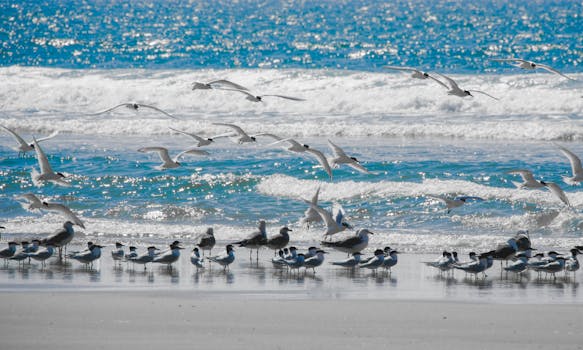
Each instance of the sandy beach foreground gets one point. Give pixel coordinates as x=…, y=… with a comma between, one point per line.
x=70, y=320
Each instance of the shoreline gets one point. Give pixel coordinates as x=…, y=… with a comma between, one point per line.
x=105, y=320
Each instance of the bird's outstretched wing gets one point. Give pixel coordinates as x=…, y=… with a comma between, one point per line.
x=194, y=136
x=552, y=70
x=162, y=152
x=228, y=83
x=17, y=137
x=111, y=109
x=322, y=160
x=483, y=93
x=575, y=161
x=191, y=151
x=286, y=97
x=158, y=110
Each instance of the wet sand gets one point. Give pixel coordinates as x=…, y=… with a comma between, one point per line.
x=260, y=307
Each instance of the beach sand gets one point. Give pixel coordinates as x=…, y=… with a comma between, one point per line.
x=106, y=320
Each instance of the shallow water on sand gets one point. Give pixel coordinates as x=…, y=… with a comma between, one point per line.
x=410, y=279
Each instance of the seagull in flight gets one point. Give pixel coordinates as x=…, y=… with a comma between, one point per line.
x=259, y=98
x=417, y=74
x=456, y=202
x=135, y=107
x=294, y=146
x=340, y=157
x=216, y=84
x=455, y=90
x=241, y=135
x=557, y=192
x=200, y=141
x=524, y=64
x=24, y=146
x=170, y=163
x=528, y=179
x=46, y=172
x=576, y=167
x=334, y=220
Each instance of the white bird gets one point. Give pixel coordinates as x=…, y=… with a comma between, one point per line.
x=557, y=192
x=321, y=159
x=145, y=258
x=216, y=84
x=24, y=146
x=200, y=141
x=524, y=64
x=7, y=253
x=553, y=267
x=315, y=261
x=350, y=262
x=518, y=266
x=334, y=220
x=294, y=146
x=170, y=256
x=340, y=157
x=311, y=215
x=46, y=172
x=576, y=168
x=118, y=254
x=456, y=202
x=444, y=263
x=375, y=262
x=352, y=244
x=43, y=254
x=170, y=163
x=572, y=264
x=259, y=98
x=226, y=259
x=474, y=267
x=135, y=107
x=242, y=136
x=528, y=180
x=391, y=260
x=88, y=258
x=33, y=201
x=132, y=254
x=455, y=90
x=417, y=74
x=196, y=260
x=295, y=263
x=65, y=211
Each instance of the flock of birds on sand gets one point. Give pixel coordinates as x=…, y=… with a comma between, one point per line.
x=517, y=248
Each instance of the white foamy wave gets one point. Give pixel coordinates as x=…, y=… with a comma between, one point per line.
x=279, y=185
x=536, y=106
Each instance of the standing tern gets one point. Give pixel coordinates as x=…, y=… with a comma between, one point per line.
x=518, y=266
x=43, y=254
x=24, y=146
x=170, y=256
x=46, y=172
x=88, y=258
x=200, y=141
x=524, y=64
x=417, y=74
x=352, y=244
x=572, y=264
x=315, y=261
x=340, y=157
x=259, y=98
x=145, y=258
x=351, y=262
x=170, y=163
x=135, y=107
x=376, y=261
x=118, y=253
x=226, y=259
x=455, y=90
x=216, y=84
x=391, y=260
x=557, y=192
x=528, y=180
x=196, y=260
x=576, y=167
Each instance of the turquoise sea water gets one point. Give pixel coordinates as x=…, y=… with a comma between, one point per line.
x=62, y=61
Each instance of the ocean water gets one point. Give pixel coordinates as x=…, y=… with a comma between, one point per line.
x=62, y=62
